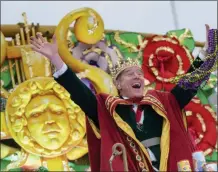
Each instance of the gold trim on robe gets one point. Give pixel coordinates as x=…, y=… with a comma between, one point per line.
x=184, y=120
x=94, y=128
x=111, y=102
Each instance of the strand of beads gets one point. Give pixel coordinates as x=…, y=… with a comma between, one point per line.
x=194, y=79
x=212, y=36
x=206, y=67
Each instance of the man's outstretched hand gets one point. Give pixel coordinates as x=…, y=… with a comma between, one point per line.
x=207, y=31
x=204, y=50
x=49, y=50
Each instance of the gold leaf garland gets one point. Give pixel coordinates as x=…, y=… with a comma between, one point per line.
x=132, y=48
x=182, y=37
x=161, y=38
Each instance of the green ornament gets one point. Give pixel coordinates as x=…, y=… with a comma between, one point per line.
x=127, y=37
x=184, y=36
x=5, y=74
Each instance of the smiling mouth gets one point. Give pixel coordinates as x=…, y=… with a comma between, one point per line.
x=136, y=85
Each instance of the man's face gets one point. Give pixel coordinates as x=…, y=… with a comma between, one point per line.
x=48, y=122
x=130, y=83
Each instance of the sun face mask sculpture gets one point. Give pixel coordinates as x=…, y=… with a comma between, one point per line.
x=47, y=121
x=43, y=119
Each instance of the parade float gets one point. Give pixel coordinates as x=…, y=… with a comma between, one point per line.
x=28, y=88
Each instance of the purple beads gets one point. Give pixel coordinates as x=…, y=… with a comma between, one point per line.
x=196, y=78
x=211, y=43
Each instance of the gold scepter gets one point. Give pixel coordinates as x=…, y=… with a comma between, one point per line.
x=116, y=152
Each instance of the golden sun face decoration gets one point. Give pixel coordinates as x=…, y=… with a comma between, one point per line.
x=43, y=119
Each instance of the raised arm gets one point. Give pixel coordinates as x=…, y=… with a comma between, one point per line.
x=182, y=95
x=79, y=92
x=186, y=89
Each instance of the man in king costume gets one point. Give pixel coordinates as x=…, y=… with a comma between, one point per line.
x=151, y=126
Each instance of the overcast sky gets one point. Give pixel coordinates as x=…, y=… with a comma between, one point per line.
x=141, y=16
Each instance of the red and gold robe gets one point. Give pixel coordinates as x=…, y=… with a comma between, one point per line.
x=175, y=142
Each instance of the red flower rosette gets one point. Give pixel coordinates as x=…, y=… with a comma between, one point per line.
x=201, y=121
x=163, y=59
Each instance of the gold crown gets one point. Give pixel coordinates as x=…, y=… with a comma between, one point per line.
x=121, y=65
